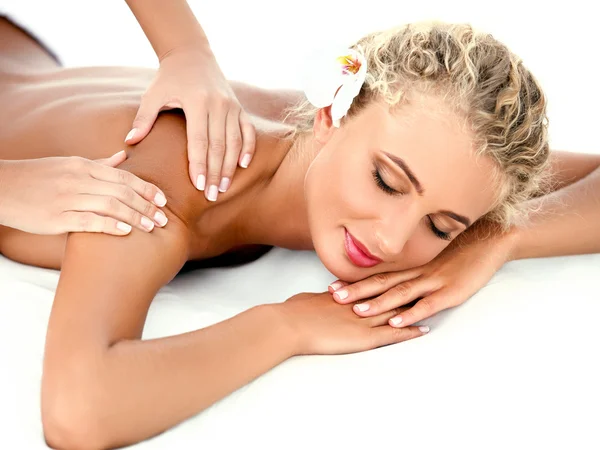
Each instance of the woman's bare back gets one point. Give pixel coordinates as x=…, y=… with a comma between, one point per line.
x=52, y=111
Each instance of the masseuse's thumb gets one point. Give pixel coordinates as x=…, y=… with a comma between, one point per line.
x=143, y=122
x=114, y=160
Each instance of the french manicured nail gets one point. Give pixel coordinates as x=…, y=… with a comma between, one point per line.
x=335, y=285
x=200, y=182
x=160, y=199
x=160, y=218
x=341, y=295
x=123, y=227
x=147, y=223
x=224, y=184
x=212, y=193
x=130, y=134
x=246, y=160
x=424, y=329
x=362, y=307
x=396, y=321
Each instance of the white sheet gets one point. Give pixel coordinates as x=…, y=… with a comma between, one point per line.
x=514, y=367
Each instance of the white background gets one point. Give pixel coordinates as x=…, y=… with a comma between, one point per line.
x=264, y=41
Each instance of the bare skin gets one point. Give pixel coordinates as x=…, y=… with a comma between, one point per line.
x=102, y=385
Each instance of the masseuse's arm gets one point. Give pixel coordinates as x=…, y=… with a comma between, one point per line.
x=220, y=133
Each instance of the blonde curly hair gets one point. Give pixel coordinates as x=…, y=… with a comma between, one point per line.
x=482, y=80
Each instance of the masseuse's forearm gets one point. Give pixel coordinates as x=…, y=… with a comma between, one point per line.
x=150, y=386
x=168, y=25
x=566, y=222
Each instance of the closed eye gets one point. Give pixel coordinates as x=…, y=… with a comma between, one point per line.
x=439, y=233
x=391, y=191
x=382, y=184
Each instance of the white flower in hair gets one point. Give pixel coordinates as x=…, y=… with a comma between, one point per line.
x=335, y=81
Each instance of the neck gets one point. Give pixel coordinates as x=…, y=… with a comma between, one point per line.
x=275, y=213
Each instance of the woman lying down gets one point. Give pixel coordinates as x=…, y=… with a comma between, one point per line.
x=446, y=134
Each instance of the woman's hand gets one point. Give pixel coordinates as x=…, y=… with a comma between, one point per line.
x=457, y=273
x=321, y=326
x=220, y=134
x=64, y=194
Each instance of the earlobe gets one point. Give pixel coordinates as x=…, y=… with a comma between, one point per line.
x=323, y=125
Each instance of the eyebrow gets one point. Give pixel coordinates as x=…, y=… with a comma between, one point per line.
x=420, y=190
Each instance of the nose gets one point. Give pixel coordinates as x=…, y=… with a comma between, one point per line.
x=393, y=232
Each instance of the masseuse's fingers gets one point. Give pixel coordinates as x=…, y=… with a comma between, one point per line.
x=116, y=197
x=74, y=221
x=233, y=146
x=216, y=150
x=111, y=206
x=379, y=283
x=114, y=160
x=197, y=137
x=248, y=140
x=149, y=108
x=146, y=190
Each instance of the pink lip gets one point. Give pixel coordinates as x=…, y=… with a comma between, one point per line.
x=357, y=253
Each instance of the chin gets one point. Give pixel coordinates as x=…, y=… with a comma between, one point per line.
x=336, y=262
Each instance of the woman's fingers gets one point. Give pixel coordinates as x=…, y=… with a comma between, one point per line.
x=74, y=221
x=248, y=140
x=383, y=318
x=396, y=296
x=386, y=335
x=424, y=308
x=370, y=287
x=121, y=177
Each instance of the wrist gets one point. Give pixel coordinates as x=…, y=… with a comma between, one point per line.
x=512, y=242
x=4, y=183
x=286, y=331
x=196, y=48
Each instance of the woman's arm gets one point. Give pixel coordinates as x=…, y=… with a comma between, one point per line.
x=104, y=387
x=568, y=167
x=267, y=103
x=565, y=222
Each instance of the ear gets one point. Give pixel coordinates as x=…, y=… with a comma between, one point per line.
x=323, y=127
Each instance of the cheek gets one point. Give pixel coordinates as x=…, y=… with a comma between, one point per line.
x=334, y=188
x=419, y=250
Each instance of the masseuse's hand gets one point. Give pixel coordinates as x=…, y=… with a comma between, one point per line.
x=64, y=194
x=450, y=279
x=219, y=132
x=320, y=326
